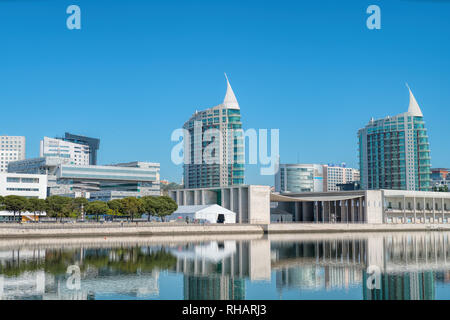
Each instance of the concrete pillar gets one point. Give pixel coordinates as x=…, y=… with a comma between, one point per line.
x=297, y=211
x=347, y=211
x=424, y=212
x=352, y=211
x=316, y=212
x=231, y=200
x=434, y=210
x=239, y=213
x=329, y=211
x=322, y=211
x=442, y=209
x=362, y=209
x=404, y=209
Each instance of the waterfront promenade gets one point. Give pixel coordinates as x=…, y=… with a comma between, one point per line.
x=172, y=229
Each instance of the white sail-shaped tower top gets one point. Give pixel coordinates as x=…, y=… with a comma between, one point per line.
x=413, y=108
x=230, y=100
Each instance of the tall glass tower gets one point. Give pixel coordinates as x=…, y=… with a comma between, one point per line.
x=394, y=152
x=214, y=145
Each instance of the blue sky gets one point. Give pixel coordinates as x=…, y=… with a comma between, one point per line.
x=138, y=69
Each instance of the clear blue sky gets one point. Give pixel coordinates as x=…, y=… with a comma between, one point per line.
x=138, y=69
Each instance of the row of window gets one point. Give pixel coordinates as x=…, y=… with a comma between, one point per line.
x=23, y=180
x=22, y=189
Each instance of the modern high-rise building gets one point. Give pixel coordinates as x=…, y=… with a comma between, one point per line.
x=214, y=147
x=93, y=143
x=12, y=148
x=301, y=177
x=394, y=152
x=76, y=154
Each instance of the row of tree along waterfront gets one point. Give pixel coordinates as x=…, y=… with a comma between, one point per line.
x=64, y=207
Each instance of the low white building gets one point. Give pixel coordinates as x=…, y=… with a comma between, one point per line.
x=251, y=203
x=25, y=185
x=211, y=213
x=366, y=206
x=22, y=184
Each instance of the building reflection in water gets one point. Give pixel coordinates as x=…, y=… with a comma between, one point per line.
x=318, y=265
x=406, y=286
x=410, y=266
x=211, y=271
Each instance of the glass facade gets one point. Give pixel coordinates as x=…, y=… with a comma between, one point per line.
x=215, y=161
x=394, y=153
x=297, y=178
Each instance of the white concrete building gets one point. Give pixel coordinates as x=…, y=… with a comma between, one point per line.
x=251, y=203
x=12, y=148
x=21, y=184
x=78, y=154
x=367, y=206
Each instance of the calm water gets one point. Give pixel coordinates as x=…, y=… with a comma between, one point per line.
x=380, y=266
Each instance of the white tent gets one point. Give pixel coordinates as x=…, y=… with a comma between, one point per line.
x=212, y=213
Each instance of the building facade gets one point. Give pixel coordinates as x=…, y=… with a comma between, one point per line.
x=133, y=179
x=251, y=203
x=394, y=152
x=367, y=206
x=12, y=148
x=300, y=178
x=77, y=154
x=440, y=179
x=92, y=143
x=129, y=180
x=339, y=174
x=25, y=185
x=313, y=177
x=214, y=146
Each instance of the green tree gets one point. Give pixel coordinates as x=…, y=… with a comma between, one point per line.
x=58, y=206
x=16, y=204
x=116, y=206
x=36, y=206
x=2, y=203
x=132, y=206
x=166, y=206
x=97, y=207
x=151, y=204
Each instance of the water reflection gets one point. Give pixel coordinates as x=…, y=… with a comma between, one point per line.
x=410, y=266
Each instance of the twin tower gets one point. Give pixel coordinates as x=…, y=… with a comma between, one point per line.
x=394, y=152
